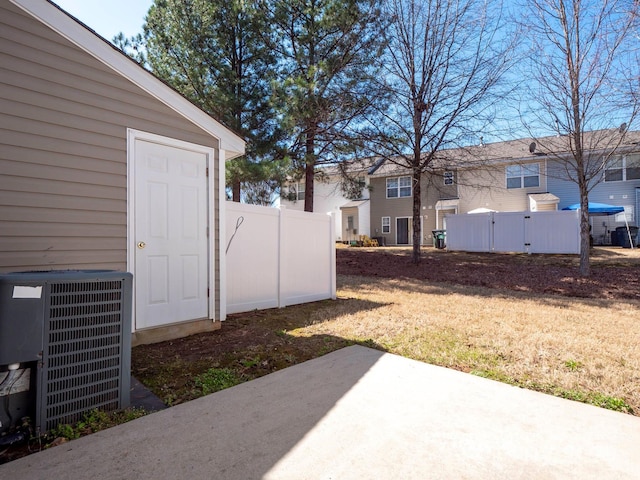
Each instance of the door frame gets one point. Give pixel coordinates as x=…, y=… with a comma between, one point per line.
x=409, y=230
x=211, y=201
x=636, y=213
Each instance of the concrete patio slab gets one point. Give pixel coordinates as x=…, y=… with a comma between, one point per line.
x=356, y=413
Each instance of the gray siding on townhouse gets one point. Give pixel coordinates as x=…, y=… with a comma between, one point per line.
x=63, y=158
x=434, y=190
x=620, y=193
x=565, y=190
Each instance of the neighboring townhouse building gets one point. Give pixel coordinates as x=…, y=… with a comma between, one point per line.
x=504, y=177
x=618, y=186
x=512, y=176
x=501, y=176
x=347, y=202
x=392, y=203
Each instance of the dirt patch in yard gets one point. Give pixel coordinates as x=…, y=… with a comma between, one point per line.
x=248, y=346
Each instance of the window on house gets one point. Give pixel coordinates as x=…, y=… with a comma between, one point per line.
x=514, y=176
x=531, y=175
x=405, y=186
x=300, y=191
x=392, y=187
x=386, y=224
x=624, y=168
x=448, y=178
x=523, y=176
x=614, y=171
x=398, y=187
x=633, y=167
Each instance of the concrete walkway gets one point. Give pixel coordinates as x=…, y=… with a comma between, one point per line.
x=356, y=414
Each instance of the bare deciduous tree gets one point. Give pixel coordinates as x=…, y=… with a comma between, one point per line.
x=445, y=64
x=584, y=87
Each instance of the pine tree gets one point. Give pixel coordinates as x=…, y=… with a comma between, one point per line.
x=328, y=56
x=214, y=53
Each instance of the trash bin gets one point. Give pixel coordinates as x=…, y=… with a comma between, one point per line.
x=623, y=236
x=615, y=242
x=438, y=238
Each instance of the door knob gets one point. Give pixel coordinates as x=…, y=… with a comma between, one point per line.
x=141, y=245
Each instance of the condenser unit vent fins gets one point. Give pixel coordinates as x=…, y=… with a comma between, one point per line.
x=82, y=361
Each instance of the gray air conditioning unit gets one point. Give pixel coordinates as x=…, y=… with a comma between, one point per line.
x=65, y=345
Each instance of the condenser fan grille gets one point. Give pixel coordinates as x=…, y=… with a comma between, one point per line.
x=84, y=350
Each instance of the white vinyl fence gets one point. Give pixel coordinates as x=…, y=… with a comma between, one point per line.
x=277, y=257
x=524, y=232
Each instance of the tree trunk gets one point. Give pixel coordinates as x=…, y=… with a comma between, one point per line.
x=235, y=189
x=309, y=169
x=417, y=205
x=585, y=233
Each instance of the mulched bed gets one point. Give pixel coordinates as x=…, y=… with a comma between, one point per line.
x=520, y=272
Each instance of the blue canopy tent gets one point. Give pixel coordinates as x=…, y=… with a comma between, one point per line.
x=600, y=209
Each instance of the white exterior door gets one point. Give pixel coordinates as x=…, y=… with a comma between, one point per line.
x=170, y=234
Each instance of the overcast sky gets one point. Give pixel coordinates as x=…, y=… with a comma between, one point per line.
x=109, y=17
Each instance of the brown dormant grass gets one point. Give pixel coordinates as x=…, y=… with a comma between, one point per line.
x=583, y=349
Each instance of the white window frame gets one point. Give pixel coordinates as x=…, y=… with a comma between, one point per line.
x=402, y=188
x=622, y=165
x=448, y=177
x=386, y=224
x=524, y=172
x=300, y=189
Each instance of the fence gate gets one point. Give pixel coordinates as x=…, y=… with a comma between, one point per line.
x=521, y=232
